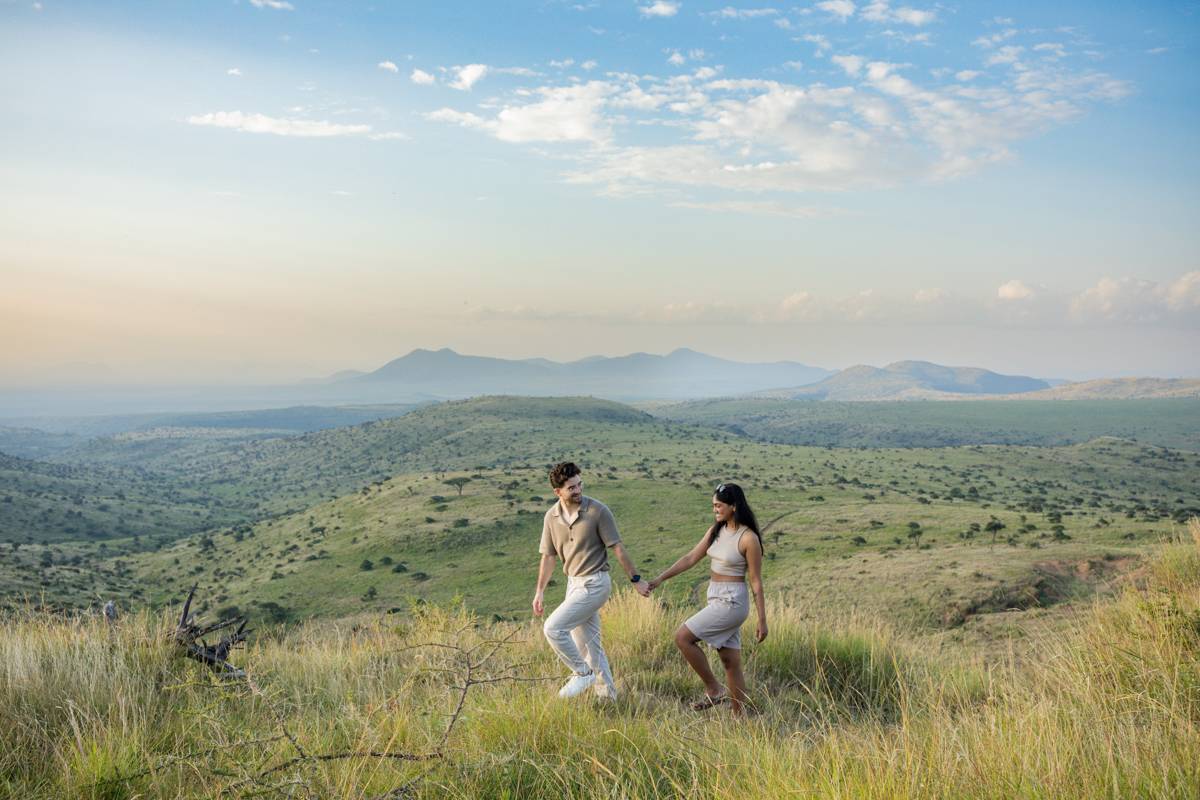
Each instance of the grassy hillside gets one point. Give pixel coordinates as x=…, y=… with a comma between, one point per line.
x=373, y=524
x=444, y=705
x=1163, y=423
x=33, y=443
x=67, y=531
x=1119, y=389
x=61, y=432
x=839, y=525
x=263, y=473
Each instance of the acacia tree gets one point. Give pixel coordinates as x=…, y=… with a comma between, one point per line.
x=994, y=527
x=457, y=483
x=915, y=532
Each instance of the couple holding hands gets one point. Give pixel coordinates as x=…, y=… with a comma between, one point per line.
x=580, y=530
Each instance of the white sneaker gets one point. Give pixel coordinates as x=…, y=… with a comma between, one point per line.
x=577, y=685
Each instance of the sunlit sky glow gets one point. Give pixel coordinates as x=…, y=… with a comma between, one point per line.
x=269, y=190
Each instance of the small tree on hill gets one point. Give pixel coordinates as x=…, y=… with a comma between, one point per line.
x=915, y=532
x=457, y=483
x=994, y=527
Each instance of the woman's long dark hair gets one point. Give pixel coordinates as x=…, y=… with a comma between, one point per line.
x=732, y=494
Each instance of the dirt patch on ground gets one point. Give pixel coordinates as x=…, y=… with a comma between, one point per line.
x=1018, y=618
x=1114, y=572
x=1048, y=584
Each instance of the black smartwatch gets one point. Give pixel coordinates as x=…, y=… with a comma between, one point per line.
x=635, y=579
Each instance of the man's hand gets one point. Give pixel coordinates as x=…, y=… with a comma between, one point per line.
x=545, y=568
x=643, y=588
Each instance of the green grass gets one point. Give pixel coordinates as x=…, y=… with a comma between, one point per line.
x=441, y=704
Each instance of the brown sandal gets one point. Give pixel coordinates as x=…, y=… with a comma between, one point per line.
x=708, y=702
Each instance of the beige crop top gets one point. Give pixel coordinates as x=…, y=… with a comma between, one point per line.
x=726, y=560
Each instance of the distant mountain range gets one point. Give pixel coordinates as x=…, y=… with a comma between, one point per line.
x=427, y=376
x=909, y=380
x=682, y=374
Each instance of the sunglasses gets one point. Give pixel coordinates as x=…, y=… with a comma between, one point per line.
x=720, y=487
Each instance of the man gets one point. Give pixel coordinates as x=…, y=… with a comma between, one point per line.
x=580, y=531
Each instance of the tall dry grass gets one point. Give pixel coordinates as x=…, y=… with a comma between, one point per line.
x=439, y=705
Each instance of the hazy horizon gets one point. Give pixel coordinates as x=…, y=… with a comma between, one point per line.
x=274, y=190
x=83, y=375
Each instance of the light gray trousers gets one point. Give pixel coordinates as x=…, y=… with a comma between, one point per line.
x=573, y=630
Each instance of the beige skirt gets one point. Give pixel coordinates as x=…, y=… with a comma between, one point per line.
x=719, y=624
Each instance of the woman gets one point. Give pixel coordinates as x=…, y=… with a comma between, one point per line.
x=735, y=546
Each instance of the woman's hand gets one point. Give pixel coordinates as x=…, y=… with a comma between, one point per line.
x=655, y=583
x=760, y=630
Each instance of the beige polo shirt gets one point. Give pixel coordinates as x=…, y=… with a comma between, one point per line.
x=583, y=545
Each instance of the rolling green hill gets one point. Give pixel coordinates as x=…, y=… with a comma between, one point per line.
x=67, y=530
x=1167, y=422
x=933, y=537
x=840, y=536
x=263, y=473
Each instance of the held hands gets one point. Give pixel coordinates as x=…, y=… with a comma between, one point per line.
x=643, y=588
x=654, y=584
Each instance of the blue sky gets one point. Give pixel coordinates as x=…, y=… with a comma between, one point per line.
x=265, y=190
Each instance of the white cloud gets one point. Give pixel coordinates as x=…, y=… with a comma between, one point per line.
x=1184, y=294
x=1156, y=51
x=276, y=4
x=588, y=65
x=1111, y=304
x=422, y=77
x=660, y=8
x=784, y=22
x=886, y=126
x=1129, y=301
x=908, y=38
x=820, y=41
x=729, y=12
x=881, y=11
x=235, y=71
x=1014, y=290
x=1005, y=55
x=794, y=301
x=844, y=9
x=468, y=76
x=562, y=64
x=564, y=114
x=988, y=42
x=852, y=65
x=260, y=123
x=388, y=65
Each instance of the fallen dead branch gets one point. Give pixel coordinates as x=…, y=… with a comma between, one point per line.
x=189, y=637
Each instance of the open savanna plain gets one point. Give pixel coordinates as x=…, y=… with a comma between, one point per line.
x=967, y=621
x=942, y=539
x=1162, y=422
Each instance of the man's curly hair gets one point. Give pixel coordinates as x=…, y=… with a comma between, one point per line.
x=563, y=472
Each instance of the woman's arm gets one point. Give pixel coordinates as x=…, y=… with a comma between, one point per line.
x=684, y=564
x=751, y=548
